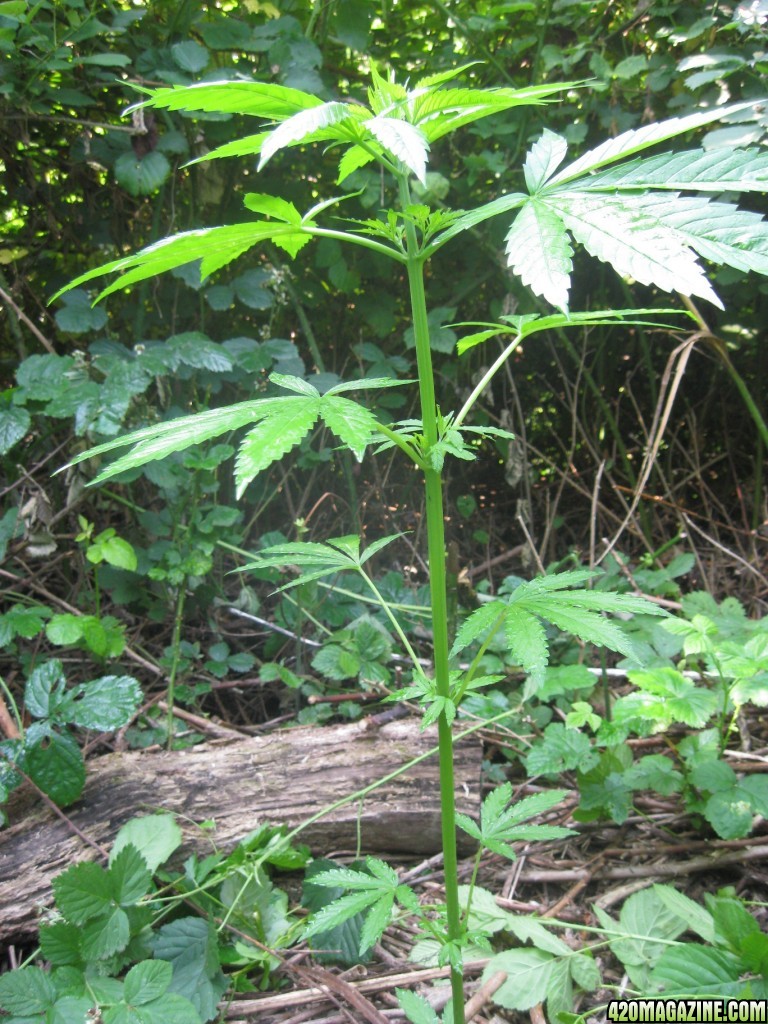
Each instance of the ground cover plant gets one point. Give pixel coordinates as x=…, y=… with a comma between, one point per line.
x=653, y=234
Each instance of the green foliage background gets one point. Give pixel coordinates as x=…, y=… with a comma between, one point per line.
x=84, y=184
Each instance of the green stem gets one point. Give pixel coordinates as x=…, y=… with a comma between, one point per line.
x=473, y=880
x=486, y=378
x=176, y=642
x=436, y=557
x=402, y=444
x=385, y=606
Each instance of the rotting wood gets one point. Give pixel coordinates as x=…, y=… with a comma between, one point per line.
x=282, y=778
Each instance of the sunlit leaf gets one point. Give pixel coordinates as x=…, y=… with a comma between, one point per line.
x=273, y=436
x=631, y=142
x=266, y=100
x=404, y=141
x=543, y=159
x=539, y=252
x=620, y=231
x=307, y=126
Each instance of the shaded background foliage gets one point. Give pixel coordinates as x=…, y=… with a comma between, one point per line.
x=85, y=183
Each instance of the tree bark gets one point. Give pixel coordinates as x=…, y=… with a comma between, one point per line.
x=282, y=778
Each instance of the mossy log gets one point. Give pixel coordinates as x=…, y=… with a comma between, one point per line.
x=282, y=778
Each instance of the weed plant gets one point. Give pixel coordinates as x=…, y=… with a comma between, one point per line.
x=651, y=217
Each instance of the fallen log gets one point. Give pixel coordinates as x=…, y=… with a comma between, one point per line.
x=282, y=778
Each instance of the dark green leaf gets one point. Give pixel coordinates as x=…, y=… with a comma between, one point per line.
x=141, y=176
x=44, y=690
x=14, y=424
x=106, y=934
x=26, y=993
x=55, y=764
x=105, y=704
x=83, y=891
x=146, y=981
x=191, y=947
x=129, y=876
x=695, y=970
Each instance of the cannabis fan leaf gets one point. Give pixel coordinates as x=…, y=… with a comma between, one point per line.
x=548, y=599
x=615, y=214
x=278, y=425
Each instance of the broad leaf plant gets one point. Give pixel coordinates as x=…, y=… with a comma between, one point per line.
x=653, y=218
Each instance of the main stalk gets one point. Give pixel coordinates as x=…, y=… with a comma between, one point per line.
x=436, y=557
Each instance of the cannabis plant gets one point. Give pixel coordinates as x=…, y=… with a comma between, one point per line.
x=646, y=216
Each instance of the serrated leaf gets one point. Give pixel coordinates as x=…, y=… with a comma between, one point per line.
x=717, y=231
x=527, y=641
x=307, y=126
x=619, y=230
x=26, y=993
x=44, y=690
x=416, y=1008
x=376, y=921
x=486, y=617
x=588, y=626
x=697, y=918
x=83, y=891
x=61, y=943
x=288, y=423
x=129, y=876
x=440, y=111
x=295, y=384
x=366, y=382
x=404, y=141
x=377, y=546
x=318, y=559
x=531, y=806
x=466, y=824
x=14, y=424
x=340, y=910
x=155, y=836
x=106, y=934
x=695, y=970
x=340, y=944
x=272, y=206
x=543, y=159
x=190, y=946
x=216, y=246
x=631, y=142
x=355, y=158
x=161, y=439
x=55, y=764
x=645, y=927
x=528, y=972
x=584, y=971
x=539, y=252
x=146, y=981
x=718, y=170
x=268, y=101
x=352, y=423
x=106, y=704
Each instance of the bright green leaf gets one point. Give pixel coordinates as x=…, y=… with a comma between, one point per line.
x=155, y=836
